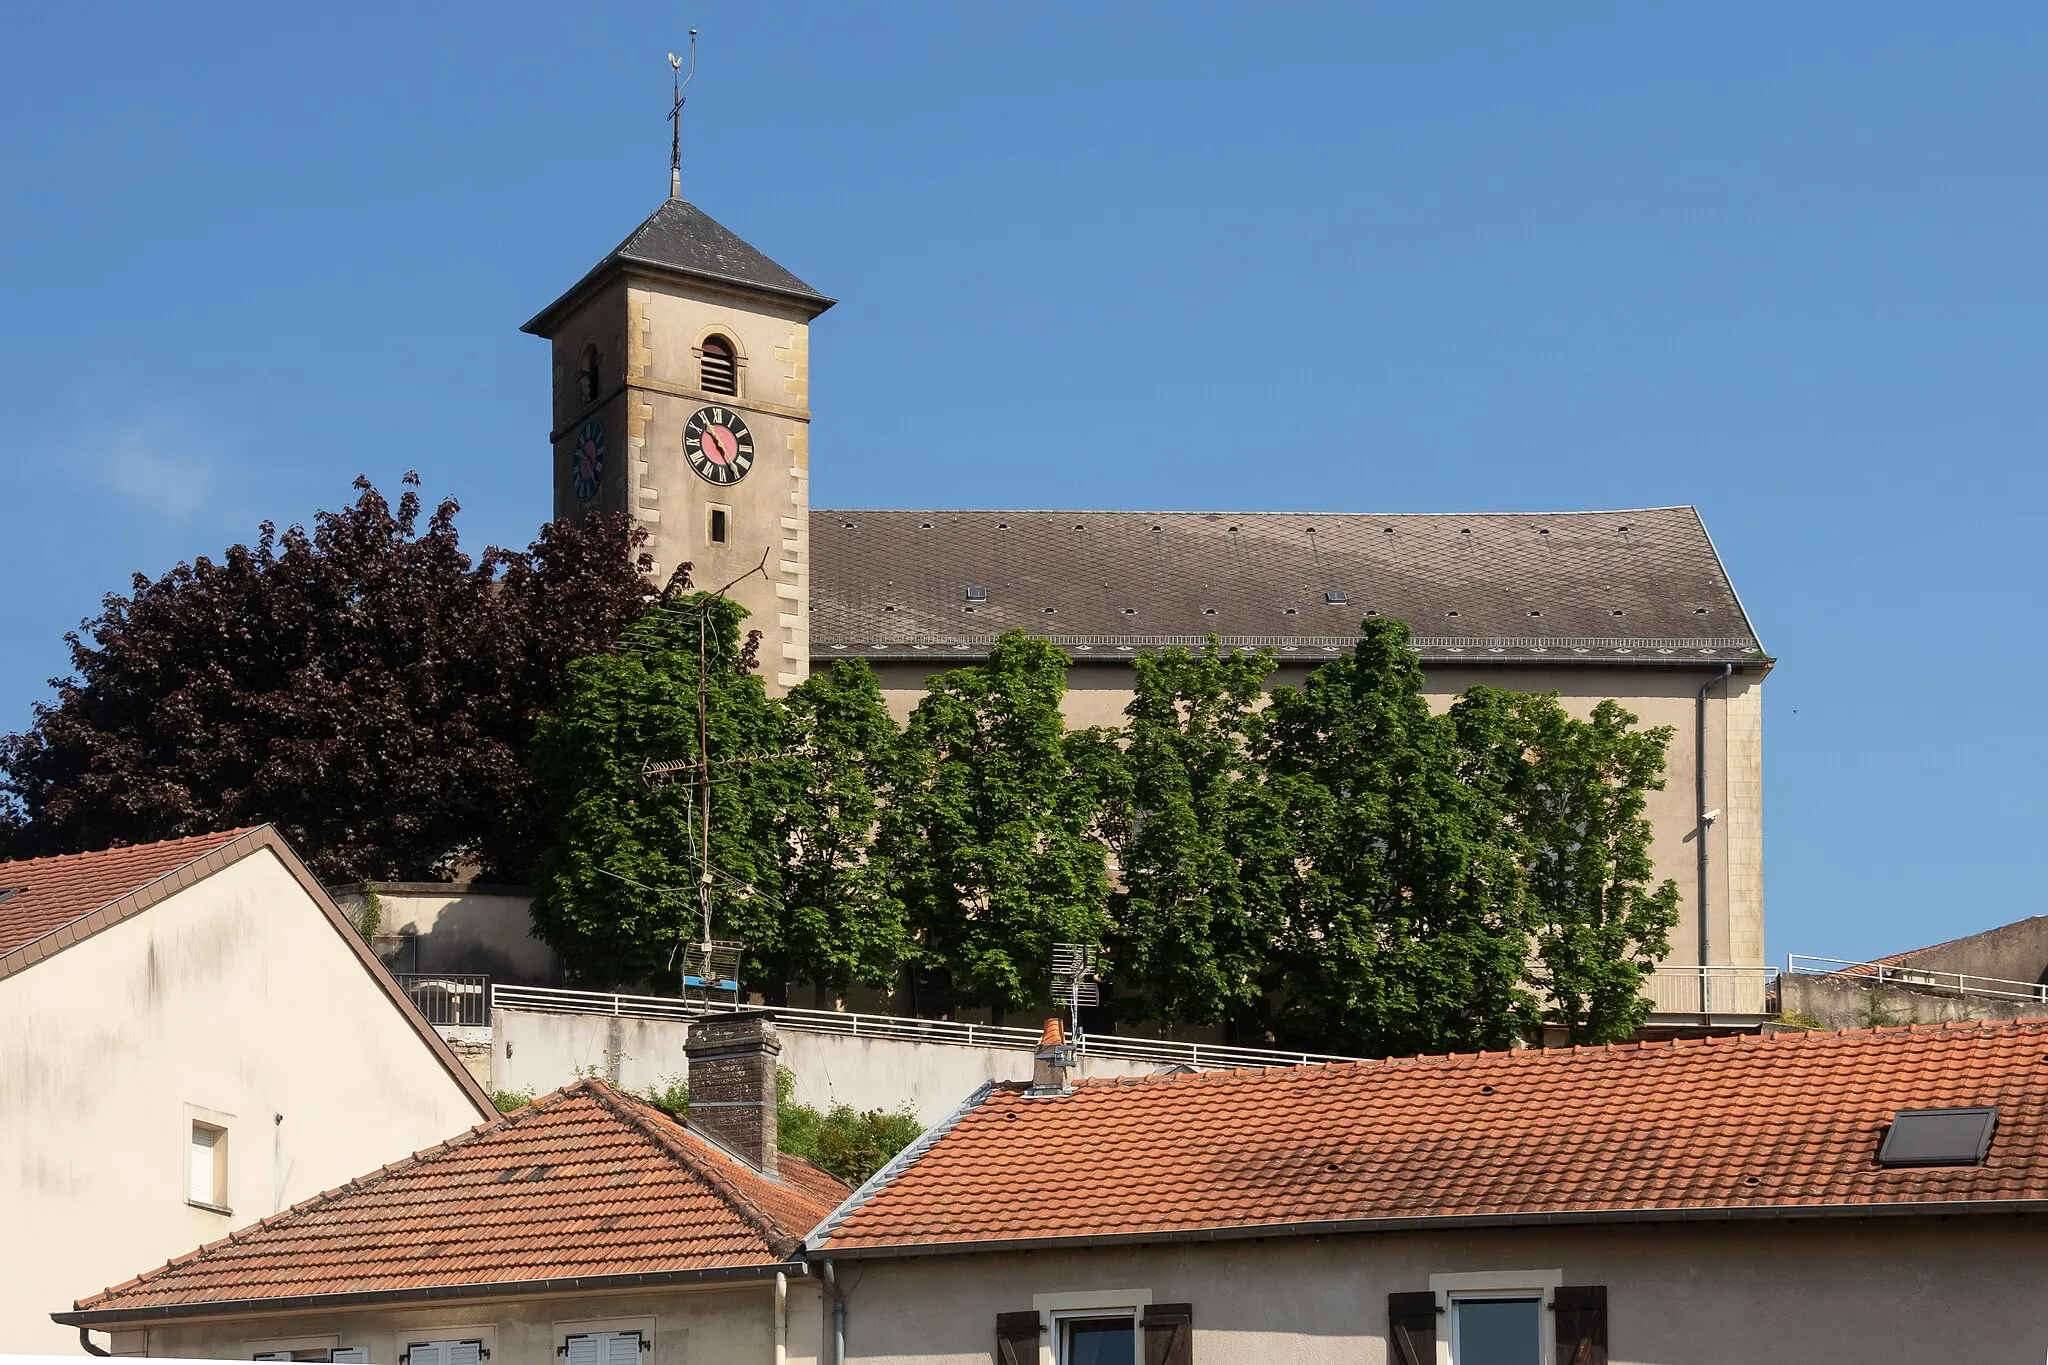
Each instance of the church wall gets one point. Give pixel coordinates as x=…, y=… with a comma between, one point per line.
x=1097, y=695
x=602, y=324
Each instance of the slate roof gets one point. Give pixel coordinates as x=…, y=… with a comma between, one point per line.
x=1642, y=587
x=585, y=1183
x=1721, y=1127
x=681, y=239
x=50, y=893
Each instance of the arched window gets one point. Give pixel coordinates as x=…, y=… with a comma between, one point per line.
x=718, y=371
x=587, y=376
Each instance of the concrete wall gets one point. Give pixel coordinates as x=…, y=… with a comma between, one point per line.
x=1847, y=1002
x=1890, y=1289
x=707, y=1326
x=539, y=1052
x=231, y=1002
x=1734, y=933
x=428, y=927
x=2011, y=952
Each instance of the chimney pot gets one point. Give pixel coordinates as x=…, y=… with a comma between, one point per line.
x=1052, y=1063
x=732, y=1084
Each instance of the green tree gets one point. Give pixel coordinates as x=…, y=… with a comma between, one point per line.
x=992, y=827
x=617, y=890
x=1409, y=926
x=1204, y=854
x=845, y=922
x=1572, y=794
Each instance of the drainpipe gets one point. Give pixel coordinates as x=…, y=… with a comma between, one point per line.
x=838, y=1316
x=781, y=1318
x=85, y=1340
x=1705, y=826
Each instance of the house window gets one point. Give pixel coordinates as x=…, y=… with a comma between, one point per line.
x=718, y=524
x=603, y=1348
x=718, y=369
x=469, y=1351
x=1098, y=1339
x=1486, y=1330
x=206, y=1166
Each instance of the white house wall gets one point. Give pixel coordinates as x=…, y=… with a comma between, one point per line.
x=233, y=1001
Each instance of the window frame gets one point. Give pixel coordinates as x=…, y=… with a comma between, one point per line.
x=731, y=346
x=579, y=1327
x=221, y=1125
x=712, y=510
x=486, y=1335
x=1056, y=1310
x=1535, y=1285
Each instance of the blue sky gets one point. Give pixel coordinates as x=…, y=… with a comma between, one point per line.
x=1783, y=262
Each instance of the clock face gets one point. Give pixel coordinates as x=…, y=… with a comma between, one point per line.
x=720, y=447
x=586, y=460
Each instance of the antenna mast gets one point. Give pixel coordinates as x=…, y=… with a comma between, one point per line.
x=675, y=117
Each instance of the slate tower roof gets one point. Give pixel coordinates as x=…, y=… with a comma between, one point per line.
x=682, y=241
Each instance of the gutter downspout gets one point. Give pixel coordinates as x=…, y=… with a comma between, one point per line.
x=838, y=1315
x=781, y=1319
x=1705, y=827
x=85, y=1340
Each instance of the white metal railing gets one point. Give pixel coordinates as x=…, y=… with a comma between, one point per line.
x=1166, y=1051
x=1894, y=974
x=1711, y=990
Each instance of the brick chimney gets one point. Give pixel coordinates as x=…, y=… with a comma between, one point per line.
x=1051, y=1063
x=732, y=1084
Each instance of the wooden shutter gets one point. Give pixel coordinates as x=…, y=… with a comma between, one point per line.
x=1411, y=1328
x=1170, y=1334
x=1581, y=1323
x=1017, y=1338
x=200, y=1187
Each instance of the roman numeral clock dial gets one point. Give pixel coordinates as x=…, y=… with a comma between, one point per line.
x=720, y=447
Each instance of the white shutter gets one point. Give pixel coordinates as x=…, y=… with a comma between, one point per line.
x=427, y=1353
x=602, y=1348
x=585, y=1348
x=352, y=1355
x=463, y=1352
x=622, y=1348
x=200, y=1187
x=272, y=1355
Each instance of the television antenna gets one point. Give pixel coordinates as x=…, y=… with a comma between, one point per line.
x=675, y=116
x=1074, y=981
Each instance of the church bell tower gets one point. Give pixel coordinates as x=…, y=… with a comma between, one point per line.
x=682, y=398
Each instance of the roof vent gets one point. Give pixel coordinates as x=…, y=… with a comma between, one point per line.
x=1336, y=597
x=1208, y=611
x=1157, y=529
x=1938, y=1137
x=1002, y=526
x=1130, y=611
x=888, y=608
x=1699, y=611
x=1372, y=611
x=1079, y=527
x=1464, y=530
x=1386, y=530
x=1543, y=530
x=1535, y=613
x=924, y=526
x=1050, y=610
x=1617, y=612
x=977, y=594
x=1451, y=614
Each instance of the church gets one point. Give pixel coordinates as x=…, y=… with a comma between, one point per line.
x=681, y=378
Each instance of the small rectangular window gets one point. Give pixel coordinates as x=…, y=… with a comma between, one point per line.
x=206, y=1166
x=604, y=1348
x=468, y=1352
x=721, y=525
x=1496, y=1331
x=1099, y=1341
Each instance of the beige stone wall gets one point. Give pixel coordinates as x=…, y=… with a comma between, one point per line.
x=1098, y=693
x=732, y=1325
x=1890, y=1289
x=232, y=1002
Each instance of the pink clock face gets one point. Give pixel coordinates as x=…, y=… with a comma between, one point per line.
x=719, y=445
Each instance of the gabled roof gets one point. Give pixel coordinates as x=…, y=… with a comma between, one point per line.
x=1635, y=587
x=682, y=240
x=41, y=895
x=586, y=1185
x=1721, y=1127
x=67, y=899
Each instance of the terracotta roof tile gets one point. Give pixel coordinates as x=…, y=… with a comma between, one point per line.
x=585, y=1182
x=52, y=893
x=1792, y=1120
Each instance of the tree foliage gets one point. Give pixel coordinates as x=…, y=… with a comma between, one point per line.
x=1204, y=857
x=1408, y=926
x=365, y=686
x=992, y=829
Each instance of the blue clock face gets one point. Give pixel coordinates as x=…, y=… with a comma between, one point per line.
x=586, y=460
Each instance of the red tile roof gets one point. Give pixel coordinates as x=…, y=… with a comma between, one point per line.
x=585, y=1182
x=50, y=893
x=1749, y=1123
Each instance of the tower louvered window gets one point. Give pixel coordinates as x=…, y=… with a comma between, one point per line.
x=718, y=371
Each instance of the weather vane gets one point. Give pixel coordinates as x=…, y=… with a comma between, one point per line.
x=675, y=117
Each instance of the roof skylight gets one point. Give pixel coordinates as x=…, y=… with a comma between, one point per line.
x=1938, y=1137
